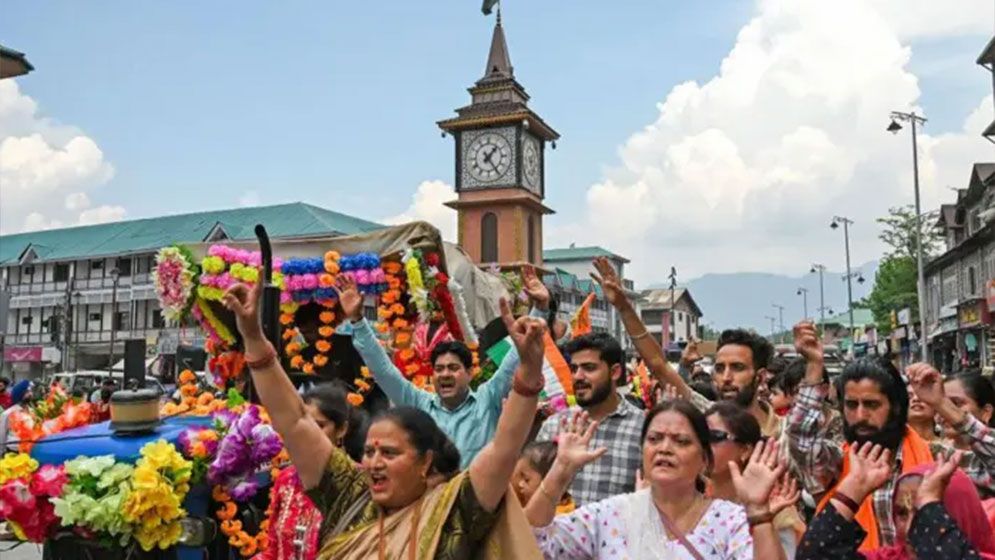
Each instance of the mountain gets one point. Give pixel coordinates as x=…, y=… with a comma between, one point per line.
x=744, y=299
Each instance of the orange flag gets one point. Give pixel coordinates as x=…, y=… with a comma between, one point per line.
x=580, y=324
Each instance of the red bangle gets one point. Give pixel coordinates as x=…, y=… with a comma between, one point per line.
x=528, y=391
x=847, y=501
x=266, y=360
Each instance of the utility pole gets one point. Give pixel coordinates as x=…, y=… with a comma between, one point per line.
x=780, y=320
x=772, y=322
x=804, y=293
x=673, y=302
x=821, y=269
x=837, y=220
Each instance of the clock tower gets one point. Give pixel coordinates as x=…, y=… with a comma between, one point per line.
x=500, y=175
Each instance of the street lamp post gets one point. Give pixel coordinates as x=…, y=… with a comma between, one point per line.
x=822, y=291
x=115, y=276
x=772, y=322
x=804, y=293
x=780, y=321
x=76, y=323
x=894, y=127
x=837, y=220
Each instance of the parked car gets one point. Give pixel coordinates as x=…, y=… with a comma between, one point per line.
x=89, y=380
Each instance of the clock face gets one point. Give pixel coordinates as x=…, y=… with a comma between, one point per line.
x=488, y=157
x=530, y=164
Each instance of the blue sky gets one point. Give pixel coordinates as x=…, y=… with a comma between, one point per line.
x=197, y=103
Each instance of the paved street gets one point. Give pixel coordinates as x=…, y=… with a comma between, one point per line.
x=23, y=552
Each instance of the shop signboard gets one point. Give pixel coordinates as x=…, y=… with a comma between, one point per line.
x=970, y=316
x=13, y=354
x=904, y=316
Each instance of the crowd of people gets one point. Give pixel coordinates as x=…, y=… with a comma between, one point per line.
x=768, y=458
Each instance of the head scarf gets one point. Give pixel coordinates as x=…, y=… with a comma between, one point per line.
x=963, y=505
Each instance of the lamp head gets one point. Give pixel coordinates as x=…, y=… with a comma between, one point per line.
x=894, y=127
x=834, y=224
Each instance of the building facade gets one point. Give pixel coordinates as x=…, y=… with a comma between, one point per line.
x=65, y=294
x=658, y=307
x=960, y=283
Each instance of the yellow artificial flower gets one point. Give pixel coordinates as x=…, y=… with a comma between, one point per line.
x=16, y=465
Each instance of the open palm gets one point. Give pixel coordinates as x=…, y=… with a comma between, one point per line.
x=607, y=278
x=574, y=441
x=534, y=287
x=869, y=467
x=349, y=297
x=755, y=483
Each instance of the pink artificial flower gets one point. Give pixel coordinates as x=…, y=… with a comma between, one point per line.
x=49, y=480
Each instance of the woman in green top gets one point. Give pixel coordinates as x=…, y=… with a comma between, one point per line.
x=390, y=508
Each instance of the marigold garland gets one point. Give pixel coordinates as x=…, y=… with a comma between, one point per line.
x=310, y=280
x=194, y=400
x=56, y=413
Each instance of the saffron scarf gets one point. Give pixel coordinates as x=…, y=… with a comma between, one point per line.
x=915, y=453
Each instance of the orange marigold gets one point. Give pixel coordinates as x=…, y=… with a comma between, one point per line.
x=326, y=317
x=320, y=361
x=331, y=267
x=389, y=297
x=293, y=348
x=362, y=385
x=308, y=368
x=187, y=376
x=365, y=372
x=326, y=280
x=382, y=328
x=323, y=346
x=402, y=339
x=332, y=256
x=296, y=362
x=400, y=324
x=289, y=333
x=391, y=267
x=326, y=331
x=286, y=319
x=355, y=399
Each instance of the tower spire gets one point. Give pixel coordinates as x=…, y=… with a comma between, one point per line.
x=498, y=60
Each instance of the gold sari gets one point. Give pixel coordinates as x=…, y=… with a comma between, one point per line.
x=510, y=537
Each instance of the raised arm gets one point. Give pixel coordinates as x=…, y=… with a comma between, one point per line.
x=491, y=470
x=572, y=454
x=308, y=446
x=819, y=459
x=398, y=389
x=649, y=350
x=754, y=486
x=927, y=384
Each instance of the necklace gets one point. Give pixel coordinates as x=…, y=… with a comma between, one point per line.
x=692, y=512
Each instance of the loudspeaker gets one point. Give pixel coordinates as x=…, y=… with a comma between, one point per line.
x=134, y=363
x=190, y=357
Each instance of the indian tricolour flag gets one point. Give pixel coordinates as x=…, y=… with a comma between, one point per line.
x=554, y=367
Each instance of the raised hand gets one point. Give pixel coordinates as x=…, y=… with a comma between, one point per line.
x=607, y=278
x=869, y=470
x=574, y=441
x=785, y=494
x=527, y=335
x=534, y=287
x=807, y=342
x=243, y=301
x=349, y=297
x=665, y=393
x=934, y=484
x=755, y=483
x=926, y=383
x=690, y=355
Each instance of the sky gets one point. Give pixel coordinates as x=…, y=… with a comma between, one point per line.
x=715, y=136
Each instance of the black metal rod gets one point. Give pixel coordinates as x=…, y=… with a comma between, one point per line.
x=270, y=302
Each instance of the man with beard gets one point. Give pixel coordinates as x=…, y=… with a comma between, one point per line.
x=875, y=405
x=596, y=366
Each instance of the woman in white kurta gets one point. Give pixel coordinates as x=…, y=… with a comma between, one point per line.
x=669, y=519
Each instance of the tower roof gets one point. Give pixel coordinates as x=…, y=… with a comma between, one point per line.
x=498, y=61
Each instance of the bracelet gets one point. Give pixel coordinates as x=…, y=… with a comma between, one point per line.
x=846, y=501
x=643, y=334
x=545, y=492
x=759, y=519
x=524, y=389
x=267, y=359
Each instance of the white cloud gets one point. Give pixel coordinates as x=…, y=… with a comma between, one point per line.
x=42, y=162
x=744, y=172
x=102, y=215
x=427, y=205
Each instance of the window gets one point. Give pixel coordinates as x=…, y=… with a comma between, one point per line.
x=28, y=271
x=26, y=320
x=972, y=283
x=94, y=317
x=157, y=322
x=124, y=267
x=62, y=272
x=96, y=265
x=121, y=320
x=532, y=240
x=488, y=238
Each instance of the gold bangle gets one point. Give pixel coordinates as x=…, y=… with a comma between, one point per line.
x=545, y=492
x=643, y=334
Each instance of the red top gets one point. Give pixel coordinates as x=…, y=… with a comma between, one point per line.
x=295, y=523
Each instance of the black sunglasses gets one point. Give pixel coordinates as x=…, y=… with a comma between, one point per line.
x=718, y=436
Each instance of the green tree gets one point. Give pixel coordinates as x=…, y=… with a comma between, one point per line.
x=895, y=283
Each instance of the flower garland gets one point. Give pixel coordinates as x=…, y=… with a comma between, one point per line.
x=194, y=401
x=247, y=444
x=160, y=482
x=175, y=278
x=214, y=328
x=26, y=494
x=416, y=284
x=366, y=270
x=56, y=413
x=309, y=280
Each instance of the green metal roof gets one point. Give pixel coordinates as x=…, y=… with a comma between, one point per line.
x=861, y=317
x=579, y=253
x=282, y=221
